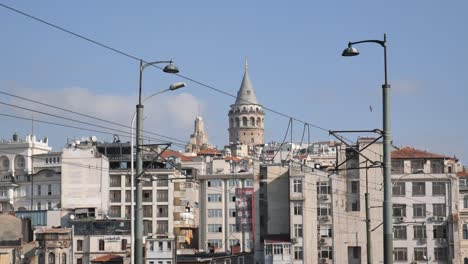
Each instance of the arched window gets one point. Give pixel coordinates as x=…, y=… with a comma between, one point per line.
x=41, y=258
x=237, y=122
x=64, y=258
x=259, y=121
x=252, y=121
x=244, y=121
x=244, y=109
x=231, y=121
x=20, y=162
x=4, y=163
x=51, y=258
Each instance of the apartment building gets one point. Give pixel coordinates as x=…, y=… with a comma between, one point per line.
x=463, y=215
x=287, y=213
x=226, y=193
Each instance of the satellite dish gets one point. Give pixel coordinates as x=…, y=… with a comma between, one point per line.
x=77, y=142
x=94, y=139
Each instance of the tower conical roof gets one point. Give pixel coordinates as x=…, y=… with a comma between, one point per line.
x=246, y=93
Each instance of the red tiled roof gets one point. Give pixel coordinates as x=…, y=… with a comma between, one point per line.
x=235, y=159
x=412, y=153
x=110, y=257
x=462, y=174
x=277, y=238
x=168, y=153
x=209, y=152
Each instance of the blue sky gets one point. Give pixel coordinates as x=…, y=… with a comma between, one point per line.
x=294, y=54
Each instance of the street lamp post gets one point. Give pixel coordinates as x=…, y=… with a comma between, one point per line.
x=138, y=243
x=387, y=204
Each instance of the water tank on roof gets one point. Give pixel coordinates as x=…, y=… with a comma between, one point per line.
x=15, y=137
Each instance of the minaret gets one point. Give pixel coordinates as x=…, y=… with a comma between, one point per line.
x=246, y=116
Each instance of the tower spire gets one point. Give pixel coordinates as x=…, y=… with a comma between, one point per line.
x=246, y=64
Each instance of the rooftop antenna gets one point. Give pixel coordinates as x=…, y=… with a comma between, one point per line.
x=32, y=124
x=246, y=66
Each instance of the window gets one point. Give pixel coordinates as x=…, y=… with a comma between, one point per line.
x=440, y=231
x=233, y=242
x=49, y=205
x=355, y=187
x=169, y=245
x=268, y=250
x=438, y=188
x=325, y=231
x=79, y=245
x=400, y=254
x=233, y=183
x=419, y=232
x=324, y=209
x=240, y=260
x=437, y=166
x=101, y=244
x=465, y=231
x=232, y=228
x=417, y=166
x=297, y=230
x=297, y=186
x=163, y=210
x=39, y=206
x=79, y=261
x=248, y=183
x=162, y=196
x=398, y=189
x=277, y=249
x=162, y=227
x=123, y=245
x=399, y=232
x=252, y=122
x=147, y=195
x=397, y=167
x=233, y=198
x=215, y=213
x=465, y=201
x=64, y=258
x=298, y=253
x=232, y=212
x=356, y=252
x=215, y=228
x=147, y=211
x=297, y=208
x=244, y=121
x=39, y=190
x=215, y=183
x=49, y=189
x=42, y=260
x=420, y=254
x=419, y=188
x=325, y=252
x=439, y=210
x=51, y=258
x=323, y=188
x=20, y=162
x=419, y=210
x=215, y=243
x=440, y=253
x=399, y=210
x=160, y=246
x=214, y=197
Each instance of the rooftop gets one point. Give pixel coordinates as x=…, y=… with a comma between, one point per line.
x=412, y=153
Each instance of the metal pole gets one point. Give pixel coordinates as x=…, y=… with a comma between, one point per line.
x=368, y=224
x=139, y=168
x=387, y=204
x=132, y=187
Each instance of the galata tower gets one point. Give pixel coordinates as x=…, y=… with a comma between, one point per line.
x=246, y=117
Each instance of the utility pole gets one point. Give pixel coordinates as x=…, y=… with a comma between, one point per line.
x=368, y=221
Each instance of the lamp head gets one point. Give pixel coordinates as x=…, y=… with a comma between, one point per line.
x=176, y=86
x=350, y=51
x=171, y=68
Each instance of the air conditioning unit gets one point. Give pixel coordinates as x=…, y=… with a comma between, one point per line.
x=293, y=240
x=399, y=219
x=324, y=218
x=441, y=218
x=324, y=197
x=324, y=260
x=323, y=241
x=422, y=241
x=432, y=218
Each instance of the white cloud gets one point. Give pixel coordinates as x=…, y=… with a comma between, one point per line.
x=406, y=87
x=168, y=114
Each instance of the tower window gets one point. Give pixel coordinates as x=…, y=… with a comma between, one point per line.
x=244, y=121
x=252, y=121
x=237, y=122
